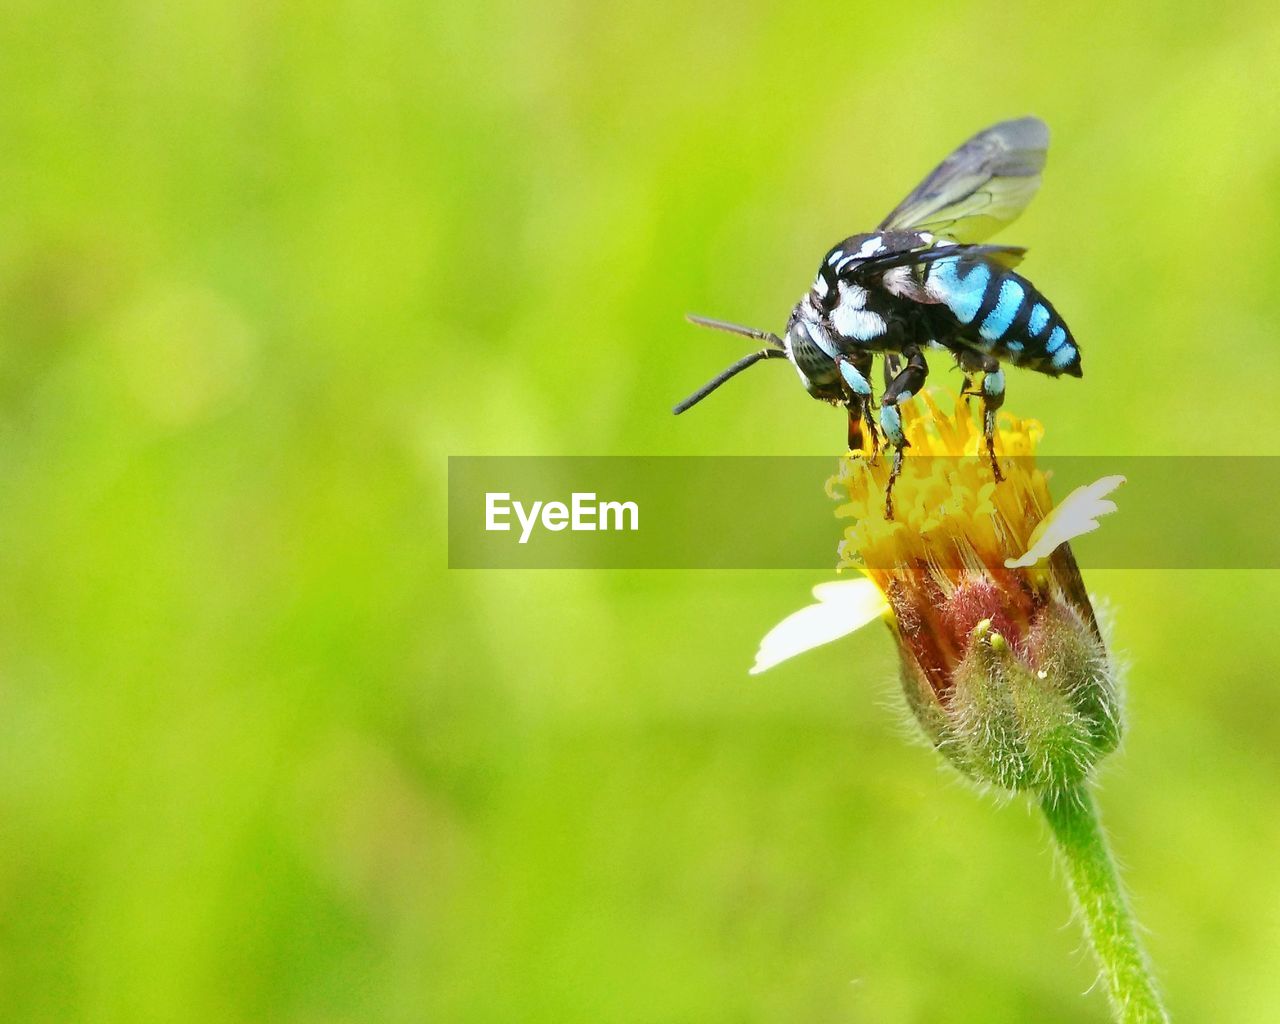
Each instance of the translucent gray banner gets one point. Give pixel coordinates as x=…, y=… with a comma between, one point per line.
x=753, y=512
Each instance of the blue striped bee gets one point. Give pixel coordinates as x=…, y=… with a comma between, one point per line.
x=922, y=281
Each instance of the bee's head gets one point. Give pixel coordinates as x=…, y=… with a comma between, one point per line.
x=774, y=349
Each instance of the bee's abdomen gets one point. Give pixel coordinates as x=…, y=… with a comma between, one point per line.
x=1002, y=313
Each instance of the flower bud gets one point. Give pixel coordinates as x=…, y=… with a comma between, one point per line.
x=1030, y=715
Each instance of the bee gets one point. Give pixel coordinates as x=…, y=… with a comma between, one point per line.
x=924, y=280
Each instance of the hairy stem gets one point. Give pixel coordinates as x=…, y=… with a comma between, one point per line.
x=1082, y=849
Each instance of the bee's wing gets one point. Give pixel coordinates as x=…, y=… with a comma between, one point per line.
x=1007, y=256
x=980, y=187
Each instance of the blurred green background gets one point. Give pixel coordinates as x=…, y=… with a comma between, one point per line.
x=263, y=267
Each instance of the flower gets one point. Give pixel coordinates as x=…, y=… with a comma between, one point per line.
x=1002, y=660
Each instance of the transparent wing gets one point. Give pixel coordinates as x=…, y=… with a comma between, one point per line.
x=980, y=187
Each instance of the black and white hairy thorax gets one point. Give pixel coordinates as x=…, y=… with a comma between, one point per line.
x=846, y=311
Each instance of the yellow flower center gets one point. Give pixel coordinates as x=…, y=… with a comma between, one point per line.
x=950, y=515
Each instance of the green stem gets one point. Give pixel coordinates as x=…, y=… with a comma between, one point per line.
x=1082, y=849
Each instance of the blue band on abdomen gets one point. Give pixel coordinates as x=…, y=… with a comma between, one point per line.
x=1039, y=319
x=1065, y=356
x=962, y=295
x=999, y=319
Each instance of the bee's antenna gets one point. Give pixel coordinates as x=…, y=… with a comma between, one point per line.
x=747, y=332
x=732, y=371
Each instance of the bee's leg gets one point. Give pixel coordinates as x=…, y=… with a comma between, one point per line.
x=906, y=382
x=971, y=364
x=854, y=409
x=854, y=371
x=992, y=399
x=892, y=367
x=991, y=391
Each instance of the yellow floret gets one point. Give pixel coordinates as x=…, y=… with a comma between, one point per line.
x=950, y=515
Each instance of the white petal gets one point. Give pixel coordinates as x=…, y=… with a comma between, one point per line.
x=843, y=606
x=1076, y=516
x=858, y=591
